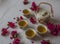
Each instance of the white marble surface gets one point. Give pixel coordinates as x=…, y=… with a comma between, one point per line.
x=10, y=9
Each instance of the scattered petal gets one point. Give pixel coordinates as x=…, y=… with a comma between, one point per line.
x=4, y=31
x=58, y=27
x=21, y=18
x=14, y=34
x=51, y=26
x=11, y=24
x=25, y=2
x=34, y=7
x=34, y=4
x=32, y=20
x=16, y=41
x=45, y=42
x=55, y=32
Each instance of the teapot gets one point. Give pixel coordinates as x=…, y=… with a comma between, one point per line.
x=42, y=14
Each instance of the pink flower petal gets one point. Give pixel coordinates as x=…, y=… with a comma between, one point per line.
x=25, y=2
x=34, y=7
x=21, y=18
x=13, y=33
x=45, y=42
x=32, y=20
x=16, y=41
x=55, y=33
x=11, y=24
x=51, y=26
x=4, y=31
x=58, y=27
x=34, y=4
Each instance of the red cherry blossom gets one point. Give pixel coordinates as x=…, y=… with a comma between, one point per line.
x=21, y=18
x=53, y=28
x=13, y=33
x=11, y=24
x=32, y=20
x=34, y=7
x=45, y=42
x=58, y=27
x=16, y=41
x=4, y=31
x=25, y=2
x=34, y=4
x=55, y=32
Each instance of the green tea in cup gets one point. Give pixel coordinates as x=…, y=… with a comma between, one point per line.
x=41, y=29
x=22, y=23
x=30, y=33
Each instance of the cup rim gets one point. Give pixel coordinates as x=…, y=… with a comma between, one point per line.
x=32, y=30
x=42, y=32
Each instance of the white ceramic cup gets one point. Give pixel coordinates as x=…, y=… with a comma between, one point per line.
x=27, y=32
x=22, y=25
x=45, y=30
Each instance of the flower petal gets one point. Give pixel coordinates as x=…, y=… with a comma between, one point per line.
x=58, y=27
x=4, y=31
x=11, y=24
x=32, y=20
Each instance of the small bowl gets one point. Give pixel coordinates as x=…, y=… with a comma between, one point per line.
x=22, y=23
x=41, y=29
x=30, y=33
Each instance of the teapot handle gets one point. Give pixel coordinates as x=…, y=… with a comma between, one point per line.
x=49, y=5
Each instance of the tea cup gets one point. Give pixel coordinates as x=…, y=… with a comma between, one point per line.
x=30, y=33
x=41, y=29
x=22, y=23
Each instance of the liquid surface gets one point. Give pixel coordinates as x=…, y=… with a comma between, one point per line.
x=26, y=12
x=22, y=23
x=30, y=33
x=41, y=29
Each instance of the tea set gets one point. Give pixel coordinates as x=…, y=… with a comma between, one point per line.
x=41, y=15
